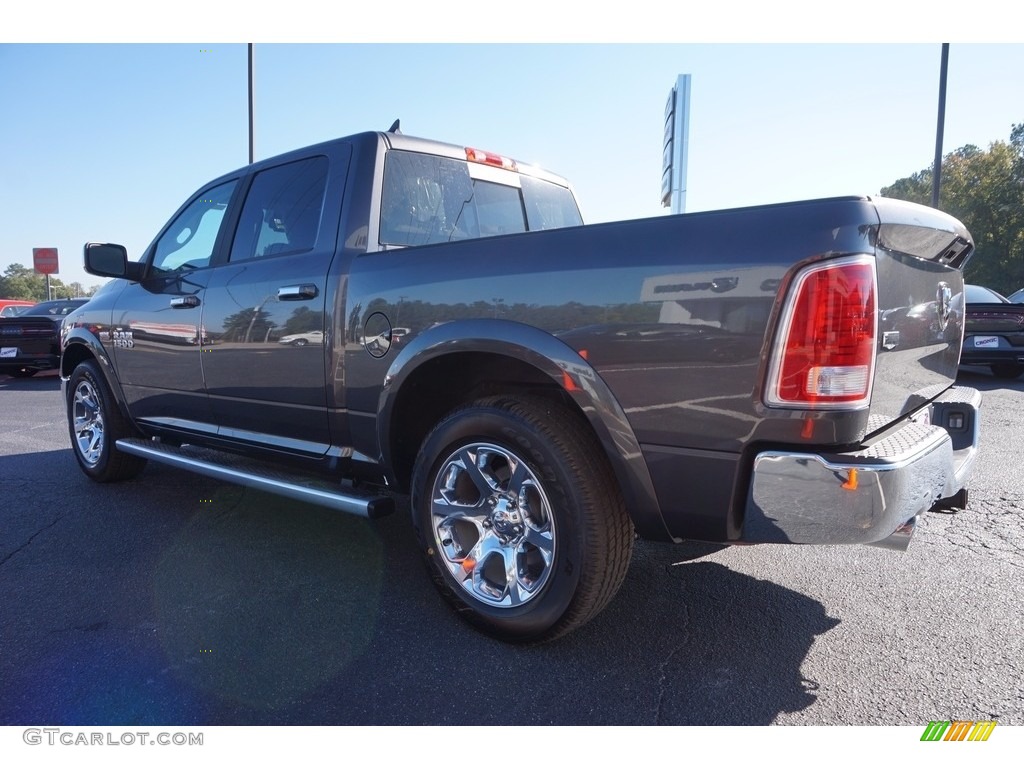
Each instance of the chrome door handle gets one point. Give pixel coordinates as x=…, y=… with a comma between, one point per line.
x=297, y=292
x=185, y=302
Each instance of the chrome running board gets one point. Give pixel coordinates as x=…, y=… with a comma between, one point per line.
x=260, y=475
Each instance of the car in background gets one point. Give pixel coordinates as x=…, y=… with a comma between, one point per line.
x=1017, y=297
x=993, y=332
x=14, y=307
x=30, y=342
x=302, y=339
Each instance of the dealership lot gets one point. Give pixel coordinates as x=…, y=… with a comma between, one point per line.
x=178, y=599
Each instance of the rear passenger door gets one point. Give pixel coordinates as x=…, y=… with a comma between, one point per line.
x=267, y=315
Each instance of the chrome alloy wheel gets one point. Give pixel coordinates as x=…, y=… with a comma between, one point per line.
x=87, y=416
x=493, y=525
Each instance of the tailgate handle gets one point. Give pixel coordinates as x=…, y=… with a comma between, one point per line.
x=185, y=302
x=297, y=292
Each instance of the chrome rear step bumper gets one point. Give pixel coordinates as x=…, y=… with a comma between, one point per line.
x=872, y=495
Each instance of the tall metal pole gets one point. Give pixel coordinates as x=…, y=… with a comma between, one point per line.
x=250, y=106
x=937, y=172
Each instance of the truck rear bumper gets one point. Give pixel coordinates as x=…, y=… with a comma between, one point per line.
x=872, y=495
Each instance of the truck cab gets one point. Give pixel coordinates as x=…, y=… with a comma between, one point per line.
x=261, y=254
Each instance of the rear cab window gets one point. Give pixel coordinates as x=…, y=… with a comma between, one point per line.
x=435, y=199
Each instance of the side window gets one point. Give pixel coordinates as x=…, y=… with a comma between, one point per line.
x=188, y=243
x=282, y=211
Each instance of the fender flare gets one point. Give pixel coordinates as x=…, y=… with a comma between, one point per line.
x=79, y=336
x=564, y=366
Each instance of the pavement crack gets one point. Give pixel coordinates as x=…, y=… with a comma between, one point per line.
x=30, y=539
x=671, y=570
x=662, y=680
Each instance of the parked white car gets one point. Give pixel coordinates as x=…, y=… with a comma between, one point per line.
x=302, y=339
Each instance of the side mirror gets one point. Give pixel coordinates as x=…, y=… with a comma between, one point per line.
x=110, y=260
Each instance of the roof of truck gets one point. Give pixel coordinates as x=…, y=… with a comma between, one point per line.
x=402, y=141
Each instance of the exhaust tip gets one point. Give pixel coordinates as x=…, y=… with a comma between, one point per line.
x=899, y=539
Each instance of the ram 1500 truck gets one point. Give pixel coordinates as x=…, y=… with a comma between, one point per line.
x=381, y=315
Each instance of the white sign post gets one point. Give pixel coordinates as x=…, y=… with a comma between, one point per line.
x=676, y=146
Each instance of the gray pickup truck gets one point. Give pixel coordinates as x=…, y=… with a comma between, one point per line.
x=382, y=315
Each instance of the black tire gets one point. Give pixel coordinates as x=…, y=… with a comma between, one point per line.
x=95, y=423
x=541, y=506
x=1007, y=370
x=300, y=342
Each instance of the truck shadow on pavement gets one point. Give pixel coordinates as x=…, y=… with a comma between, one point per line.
x=981, y=378
x=41, y=382
x=243, y=608
x=327, y=620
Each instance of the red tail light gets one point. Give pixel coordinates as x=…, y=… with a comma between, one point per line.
x=824, y=355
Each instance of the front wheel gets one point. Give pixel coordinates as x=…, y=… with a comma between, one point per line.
x=95, y=425
x=523, y=527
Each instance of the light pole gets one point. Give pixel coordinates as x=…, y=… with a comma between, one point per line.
x=250, y=105
x=937, y=172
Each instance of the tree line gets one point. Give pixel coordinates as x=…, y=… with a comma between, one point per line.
x=21, y=282
x=985, y=190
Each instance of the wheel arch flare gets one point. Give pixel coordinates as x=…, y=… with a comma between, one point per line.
x=453, y=363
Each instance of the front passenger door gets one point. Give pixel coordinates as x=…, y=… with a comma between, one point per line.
x=156, y=329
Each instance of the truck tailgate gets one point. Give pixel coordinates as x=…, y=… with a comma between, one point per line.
x=921, y=254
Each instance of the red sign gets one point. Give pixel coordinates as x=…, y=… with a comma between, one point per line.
x=45, y=260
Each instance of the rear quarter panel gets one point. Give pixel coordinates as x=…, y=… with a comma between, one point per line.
x=673, y=315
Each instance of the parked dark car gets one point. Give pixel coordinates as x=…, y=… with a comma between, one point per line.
x=30, y=342
x=993, y=332
x=1017, y=297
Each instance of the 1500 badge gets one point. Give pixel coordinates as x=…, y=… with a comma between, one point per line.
x=123, y=339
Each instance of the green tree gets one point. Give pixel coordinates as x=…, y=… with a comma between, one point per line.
x=985, y=190
x=302, y=320
x=21, y=282
x=247, y=325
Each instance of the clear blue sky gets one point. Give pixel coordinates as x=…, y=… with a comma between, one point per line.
x=104, y=141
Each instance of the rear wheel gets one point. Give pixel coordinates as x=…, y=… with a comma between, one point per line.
x=523, y=527
x=95, y=425
x=1007, y=370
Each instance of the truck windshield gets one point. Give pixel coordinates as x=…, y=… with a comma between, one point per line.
x=431, y=199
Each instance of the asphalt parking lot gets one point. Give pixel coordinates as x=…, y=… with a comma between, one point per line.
x=174, y=598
